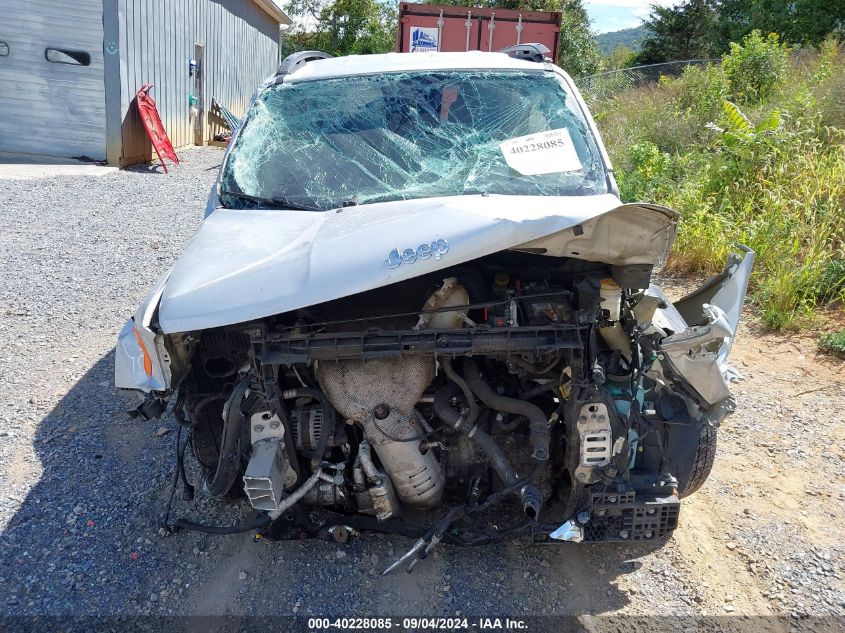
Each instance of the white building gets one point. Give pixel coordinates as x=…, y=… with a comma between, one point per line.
x=69, y=70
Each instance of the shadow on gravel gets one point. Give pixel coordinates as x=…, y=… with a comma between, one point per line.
x=155, y=169
x=85, y=542
x=68, y=548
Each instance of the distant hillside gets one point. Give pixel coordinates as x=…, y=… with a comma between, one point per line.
x=631, y=38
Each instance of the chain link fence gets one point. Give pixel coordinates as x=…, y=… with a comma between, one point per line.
x=608, y=84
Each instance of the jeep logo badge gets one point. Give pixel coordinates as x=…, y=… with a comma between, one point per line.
x=437, y=249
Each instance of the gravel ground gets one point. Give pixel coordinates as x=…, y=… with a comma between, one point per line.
x=82, y=485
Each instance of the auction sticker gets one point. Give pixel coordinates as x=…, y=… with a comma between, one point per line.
x=547, y=152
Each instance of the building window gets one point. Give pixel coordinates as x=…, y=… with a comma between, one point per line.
x=4, y=49
x=67, y=56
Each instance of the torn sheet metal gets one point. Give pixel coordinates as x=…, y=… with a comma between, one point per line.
x=694, y=354
x=726, y=291
x=666, y=315
x=569, y=531
x=700, y=352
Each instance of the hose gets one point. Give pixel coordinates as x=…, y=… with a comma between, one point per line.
x=509, y=426
x=443, y=406
x=229, y=460
x=536, y=391
x=496, y=457
x=328, y=416
x=367, y=465
x=471, y=403
x=538, y=425
x=296, y=495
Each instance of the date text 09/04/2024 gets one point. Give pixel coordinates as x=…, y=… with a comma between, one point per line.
x=417, y=623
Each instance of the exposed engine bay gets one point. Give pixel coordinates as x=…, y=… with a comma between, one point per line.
x=516, y=393
x=417, y=305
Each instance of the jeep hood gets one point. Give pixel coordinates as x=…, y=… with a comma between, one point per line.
x=248, y=264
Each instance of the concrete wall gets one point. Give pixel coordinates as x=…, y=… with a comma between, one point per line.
x=155, y=40
x=48, y=107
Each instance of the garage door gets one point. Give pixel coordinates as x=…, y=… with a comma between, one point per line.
x=52, y=95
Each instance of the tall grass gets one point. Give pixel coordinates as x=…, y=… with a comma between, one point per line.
x=750, y=151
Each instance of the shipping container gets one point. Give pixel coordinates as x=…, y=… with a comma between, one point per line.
x=431, y=27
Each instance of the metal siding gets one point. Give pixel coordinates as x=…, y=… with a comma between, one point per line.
x=176, y=9
x=49, y=108
x=157, y=40
x=111, y=70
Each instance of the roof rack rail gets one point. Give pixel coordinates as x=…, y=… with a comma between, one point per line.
x=533, y=52
x=295, y=60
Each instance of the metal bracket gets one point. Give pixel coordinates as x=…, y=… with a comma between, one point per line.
x=596, y=437
x=265, y=425
x=268, y=472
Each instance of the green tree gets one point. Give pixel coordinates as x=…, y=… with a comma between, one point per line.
x=341, y=27
x=801, y=22
x=705, y=28
x=578, y=52
x=755, y=68
x=687, y=30
x=618, y=58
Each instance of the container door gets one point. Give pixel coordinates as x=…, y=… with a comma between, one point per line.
x=498, y=32
x=421, y=33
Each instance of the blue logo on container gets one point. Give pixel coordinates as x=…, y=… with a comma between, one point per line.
x=423, y=39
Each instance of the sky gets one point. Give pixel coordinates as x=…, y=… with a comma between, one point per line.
x=614, y=15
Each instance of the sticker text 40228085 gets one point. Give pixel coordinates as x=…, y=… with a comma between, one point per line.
x=548, y=152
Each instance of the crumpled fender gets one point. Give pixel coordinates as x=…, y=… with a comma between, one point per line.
x=699, y=353
x=129, y=362
x=629, y=234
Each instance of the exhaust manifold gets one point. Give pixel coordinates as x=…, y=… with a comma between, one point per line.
x=380, y=395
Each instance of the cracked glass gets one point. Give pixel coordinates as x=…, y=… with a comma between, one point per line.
x=357, y=140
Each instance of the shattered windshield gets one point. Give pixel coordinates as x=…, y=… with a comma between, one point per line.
x=357, y=140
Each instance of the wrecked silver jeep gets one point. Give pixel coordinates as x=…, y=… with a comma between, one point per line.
x=417, y=305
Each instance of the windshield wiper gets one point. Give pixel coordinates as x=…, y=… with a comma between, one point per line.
x=391, y=197
x=272, y=203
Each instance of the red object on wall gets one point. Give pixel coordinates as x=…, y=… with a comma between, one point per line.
x=152, y=123
x=430, y=27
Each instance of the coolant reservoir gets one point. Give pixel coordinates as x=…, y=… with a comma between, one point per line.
x=614, y=335
x=611, y=298
x=450, y=294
